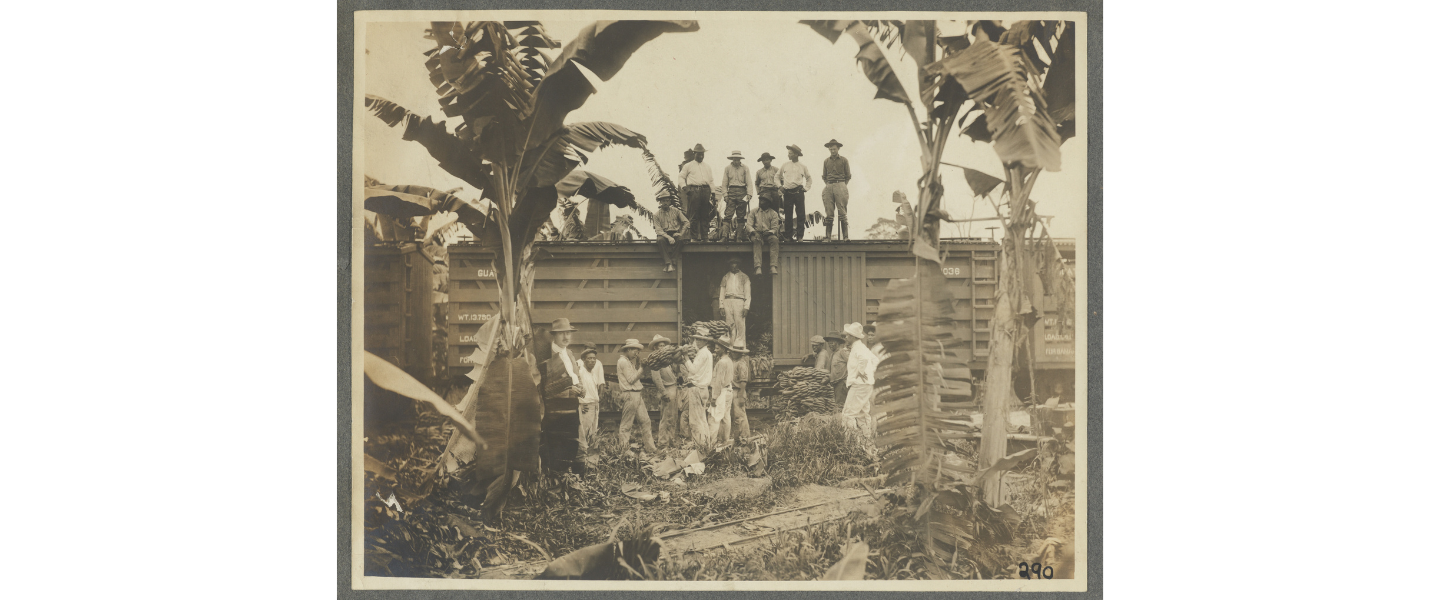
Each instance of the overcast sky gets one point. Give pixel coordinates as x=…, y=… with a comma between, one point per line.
x=752, y=86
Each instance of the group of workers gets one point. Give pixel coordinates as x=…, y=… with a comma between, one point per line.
x=703, y=396
x=696, y=214
x=851, y=357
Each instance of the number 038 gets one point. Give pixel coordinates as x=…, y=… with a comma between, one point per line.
x=1034, y=569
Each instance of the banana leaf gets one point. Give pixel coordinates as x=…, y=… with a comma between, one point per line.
x=870, y=58
x=1000, y=77
x=453, y=154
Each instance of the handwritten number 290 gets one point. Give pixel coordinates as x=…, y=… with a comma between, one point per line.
x=1034, y=569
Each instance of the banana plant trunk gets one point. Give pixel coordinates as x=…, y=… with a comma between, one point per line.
x=998, y=387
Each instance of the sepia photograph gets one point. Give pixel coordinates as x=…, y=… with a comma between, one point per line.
x=770, y=301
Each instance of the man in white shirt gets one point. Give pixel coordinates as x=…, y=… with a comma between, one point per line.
x=794, y=182
x=734, y=296
x=861, y=379
x=697, y=371
x=697, y=179
x=592, y=376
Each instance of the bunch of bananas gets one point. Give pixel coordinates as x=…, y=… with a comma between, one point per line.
x=807, y=390
x=709, y=329
x=662, y=358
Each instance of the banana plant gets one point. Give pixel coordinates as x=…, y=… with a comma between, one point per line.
x=1014, y=88
x=514, y=146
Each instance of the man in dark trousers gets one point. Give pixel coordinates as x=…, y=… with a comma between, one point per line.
x=836, y=195
x=698, y=180
x=735, y=182
x=560, y=389
x=794, y=182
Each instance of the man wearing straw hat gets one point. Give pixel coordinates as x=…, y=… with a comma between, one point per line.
x=836, y=195
x=739, y=421
x=665, y=380
x=767, y=185
x=722, y=392
x=627, y=370
x=860, y=376
x=560, y=390
x=670, y=225
x=696, y=374
x=738, y=190
x=697, y=179
x=794, y=182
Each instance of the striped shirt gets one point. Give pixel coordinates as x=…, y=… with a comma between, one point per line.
x=670, y=220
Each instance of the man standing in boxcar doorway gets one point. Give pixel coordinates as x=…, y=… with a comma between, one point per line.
x=734, y=298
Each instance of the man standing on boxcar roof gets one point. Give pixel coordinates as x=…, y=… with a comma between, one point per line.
x=767, y=185
x=697, y=179
x=836, y=195
x=794, y=182
x=560, y=389
x=734, y=296
x=738, y=191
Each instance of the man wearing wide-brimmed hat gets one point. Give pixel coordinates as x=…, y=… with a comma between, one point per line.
x=560, y=389
x=767, y=184
x=722, y=393
x=836, y=194
x=860, y=376
x=670, y=224
x=697, y=179
x=794, y=182
x=839, y=358
x=627, y=371
x=739, y=421
x=819, y=356
x=738, y=191
x=696, y=374
x=665, y=380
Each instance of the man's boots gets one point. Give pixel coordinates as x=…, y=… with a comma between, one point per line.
x=829, y=223
x=844, y=228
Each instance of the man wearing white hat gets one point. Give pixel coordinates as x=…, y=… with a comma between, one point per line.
x=722, y=391
x=627, y=370
x=861, y=379
x=738, y=191
x=697, y=179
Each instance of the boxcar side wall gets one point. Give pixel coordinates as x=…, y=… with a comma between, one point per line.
x=614, y=291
